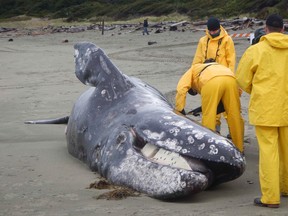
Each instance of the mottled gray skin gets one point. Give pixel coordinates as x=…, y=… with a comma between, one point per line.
x=118, y=115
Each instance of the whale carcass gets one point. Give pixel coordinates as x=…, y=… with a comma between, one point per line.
x=129, y=133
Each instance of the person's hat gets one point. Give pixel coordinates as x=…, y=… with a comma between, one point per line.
x=274, y=20
x=209, y=60
x=213, y=24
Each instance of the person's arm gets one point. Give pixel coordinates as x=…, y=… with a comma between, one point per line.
x=230, y=54
x=184, y=84
x=245, y=71
x=198, y=57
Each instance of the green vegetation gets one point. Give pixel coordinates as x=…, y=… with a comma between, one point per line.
x=79, y=10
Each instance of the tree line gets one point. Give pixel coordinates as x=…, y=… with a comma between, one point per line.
x=127, y=9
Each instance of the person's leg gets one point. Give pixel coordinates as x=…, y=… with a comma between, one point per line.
x=232, y=106
x=283, y=156
x=218, y=123
x=210, y=96
x=268, y=164
x=145, y=31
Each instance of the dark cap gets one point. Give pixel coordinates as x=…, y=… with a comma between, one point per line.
x=210, y=60
x=213, y=24
x=275, y=21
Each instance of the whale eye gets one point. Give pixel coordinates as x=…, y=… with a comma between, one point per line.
x=121, y=138
x=132, y=111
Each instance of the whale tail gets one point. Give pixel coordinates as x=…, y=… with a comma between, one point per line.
x=62, y=120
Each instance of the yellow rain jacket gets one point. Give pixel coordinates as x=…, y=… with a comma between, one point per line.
x=196, y=78
x=259, y=68
x=214, y=82
x=220, y=48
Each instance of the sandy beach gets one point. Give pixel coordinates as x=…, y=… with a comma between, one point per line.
x=38, y=176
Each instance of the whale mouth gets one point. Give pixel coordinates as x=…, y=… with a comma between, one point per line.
x=174, y=160
x=164, y=157
x=160, y=155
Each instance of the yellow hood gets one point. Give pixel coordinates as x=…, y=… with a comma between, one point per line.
x=277, y=40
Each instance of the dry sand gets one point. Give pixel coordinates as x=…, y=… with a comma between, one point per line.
x=39, y=177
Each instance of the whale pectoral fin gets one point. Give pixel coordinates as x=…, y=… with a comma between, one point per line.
x=62, y=120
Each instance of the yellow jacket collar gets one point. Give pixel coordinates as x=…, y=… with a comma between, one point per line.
x=222, y=34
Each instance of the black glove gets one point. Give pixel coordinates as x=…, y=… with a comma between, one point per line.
x=196, y=111
x=183, y=112
x=192, y=92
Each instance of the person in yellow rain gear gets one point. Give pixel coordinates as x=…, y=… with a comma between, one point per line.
x=218, y=45
x=215, y=83
x=262, y=73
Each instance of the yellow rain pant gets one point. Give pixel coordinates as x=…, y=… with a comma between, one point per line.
x=218, y=117
x=223, y=88
x=218, y=121
x=273, y=162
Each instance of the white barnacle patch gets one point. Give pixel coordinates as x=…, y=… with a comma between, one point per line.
x=185, y=125
x=211, y=140
x=213, y=150
x=105, y=94
x=130, y=152
x=199, y=134
x=181, y=124
x=104, y=65
x=159, y=179
x=223, y=142
x=184, y=151
x=82, y=62
x=222, y=158
x=76, y=53
x=183, y=184
x=190, y=139
x=153, y=135
x=108, y=154
x=178, y=148
x=167, y=117
x=201, y=146
x=174, y=131
x=78, y=60
x=237, y=154
x=170, y=143
x=88, y=52
x=94, y=49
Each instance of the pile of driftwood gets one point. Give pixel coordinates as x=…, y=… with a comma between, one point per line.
x=233, y=24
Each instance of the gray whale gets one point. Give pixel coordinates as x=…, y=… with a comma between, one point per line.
x=129, y=133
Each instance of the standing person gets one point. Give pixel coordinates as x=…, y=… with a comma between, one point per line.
x=218, y=45
x=262, y=72
x=215, y=83
x=257, y=35
x=145, y=27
